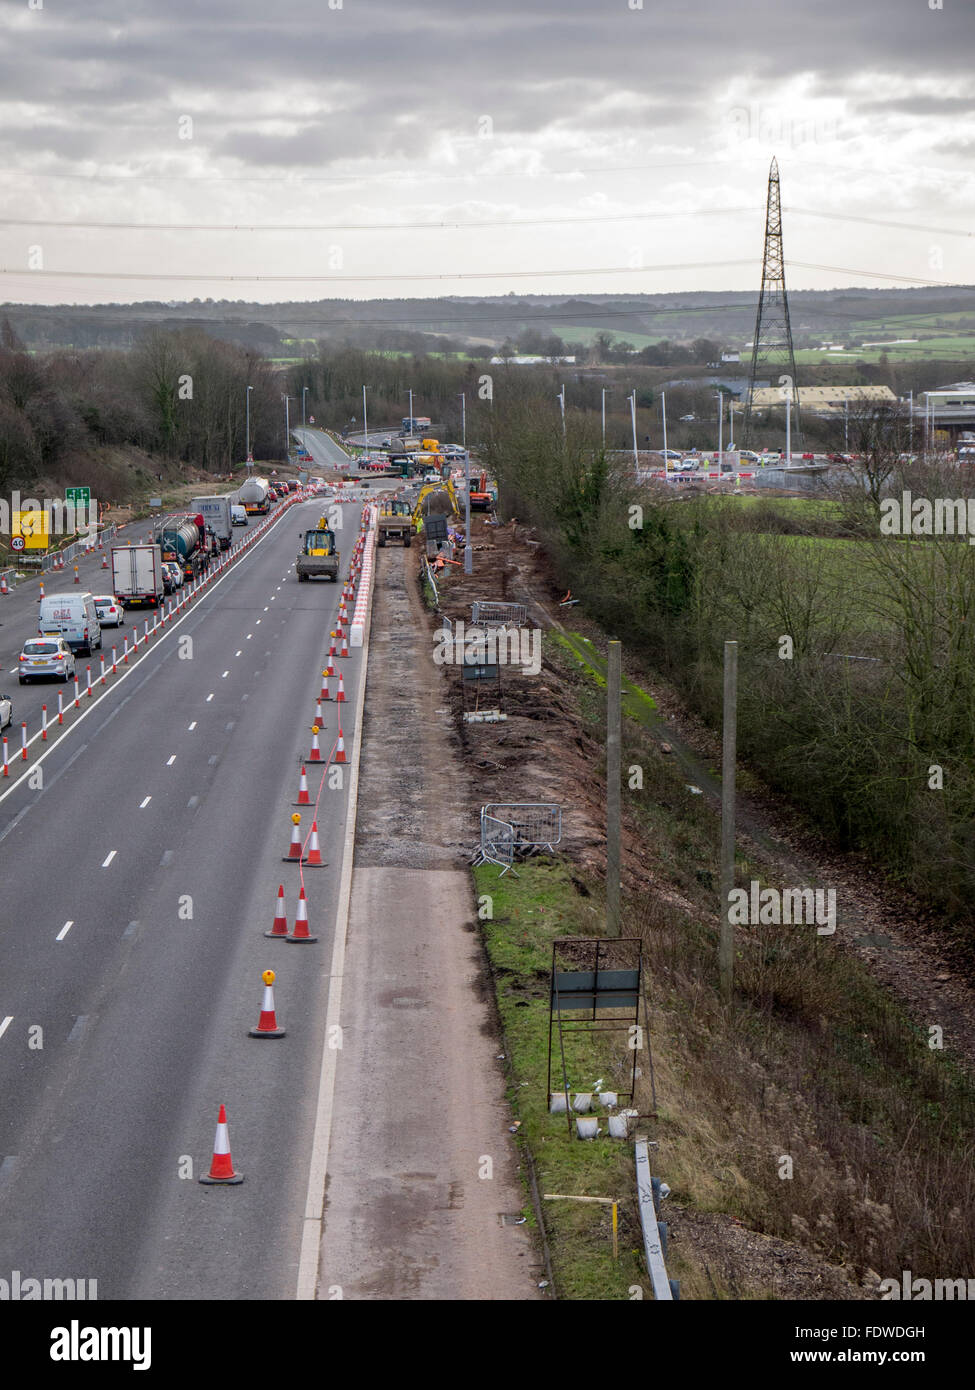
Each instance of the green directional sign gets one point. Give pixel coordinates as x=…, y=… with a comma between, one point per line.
x=78, y=495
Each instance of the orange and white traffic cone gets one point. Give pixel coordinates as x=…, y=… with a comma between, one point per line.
x=314, y=860
x=303, y=798
x=319, y=716
x=340, y=697
x=294, y=852
x=340, y=748
x=330, y=669
x=267, y=1024
x=324, y=692
x=345, y=645
x=104, y=561
x=315, y=756
x=279, y=927
x=301, y=932
x=222, y=1167
x=3, y=584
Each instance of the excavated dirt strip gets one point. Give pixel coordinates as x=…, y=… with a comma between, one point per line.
x=422, y=1169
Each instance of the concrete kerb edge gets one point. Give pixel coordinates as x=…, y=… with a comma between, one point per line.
x=314, y=1216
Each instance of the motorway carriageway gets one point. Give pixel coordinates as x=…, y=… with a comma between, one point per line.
x=137, y=887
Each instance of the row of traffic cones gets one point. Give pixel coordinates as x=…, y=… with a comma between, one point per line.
x=222, y=1169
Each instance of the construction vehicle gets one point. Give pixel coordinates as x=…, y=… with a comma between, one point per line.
x=395, y=522
x=481, y=499
x=318, y=554
x=434, y=498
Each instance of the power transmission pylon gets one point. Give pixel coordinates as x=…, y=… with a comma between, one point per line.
x=772, y=346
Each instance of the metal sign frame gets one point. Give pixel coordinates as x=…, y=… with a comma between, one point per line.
x=603, y=998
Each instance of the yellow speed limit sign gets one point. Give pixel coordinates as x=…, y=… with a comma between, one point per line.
x=33, y=526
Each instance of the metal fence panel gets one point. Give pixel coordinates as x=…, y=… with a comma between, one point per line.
x=491, y=614
x=533, y=823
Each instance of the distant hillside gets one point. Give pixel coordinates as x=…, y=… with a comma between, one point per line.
x=456, y=323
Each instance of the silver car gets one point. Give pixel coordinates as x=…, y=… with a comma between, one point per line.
x=45, y=656
x=6, y=711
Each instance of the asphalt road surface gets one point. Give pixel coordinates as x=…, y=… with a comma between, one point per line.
x=138, y=881
x=323, y=449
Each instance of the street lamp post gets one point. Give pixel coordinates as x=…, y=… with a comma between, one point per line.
x=604, y=416
x=561, y=400
x=365, y=421
x=411, y=411
x=463, y=419
x=247, y=448
x=287, y=428
x=636, y=454
x=663, y=407
x=468, y=551
x=720, y=395
x=304, y=393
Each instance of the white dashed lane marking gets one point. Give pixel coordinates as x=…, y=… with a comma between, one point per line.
x=171, y=761
x=64, y=931
x=209, y=697
x=191, y=727
x=111, y=855
x=145, y=803
x=6, y=1024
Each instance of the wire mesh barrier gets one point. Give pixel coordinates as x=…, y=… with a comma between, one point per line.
x=492, y=614
x=517, y=829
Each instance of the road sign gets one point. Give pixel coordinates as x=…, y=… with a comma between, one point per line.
x=78, y=494
x=31, y=527
x=16, y=542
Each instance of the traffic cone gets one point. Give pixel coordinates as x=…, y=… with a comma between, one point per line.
x=315, y=756
x=340, y=697
x=294, y=852
x=41, y=594
x=330, y=669
x=345, y=646
x=3, y=584
x=319, y=716
x=222, y=1167
x=301, y=932
x=279, y=927
x=267, y=1024
x=324, y=691
x=104, y=561
x=340, y=748
x=314, y=860
x=303, y=798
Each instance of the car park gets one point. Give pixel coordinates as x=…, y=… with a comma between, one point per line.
x=45, y=656
x=110, y=611
x=6, y=711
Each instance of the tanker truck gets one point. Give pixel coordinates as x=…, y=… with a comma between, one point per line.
x=254, y=496
x=184, y=540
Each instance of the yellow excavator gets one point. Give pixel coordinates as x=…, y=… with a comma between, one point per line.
x=318, y=557
x=432, y=489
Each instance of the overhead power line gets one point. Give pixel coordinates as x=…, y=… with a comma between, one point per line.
x=445, y=224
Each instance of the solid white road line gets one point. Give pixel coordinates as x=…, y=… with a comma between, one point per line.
x=313, y=1224
x=64, y=931
x=111, y=856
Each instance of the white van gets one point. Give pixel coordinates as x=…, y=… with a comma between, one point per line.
x=72, y=616
x=238, y=514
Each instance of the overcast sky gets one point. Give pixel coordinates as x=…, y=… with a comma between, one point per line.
x=601, y=146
